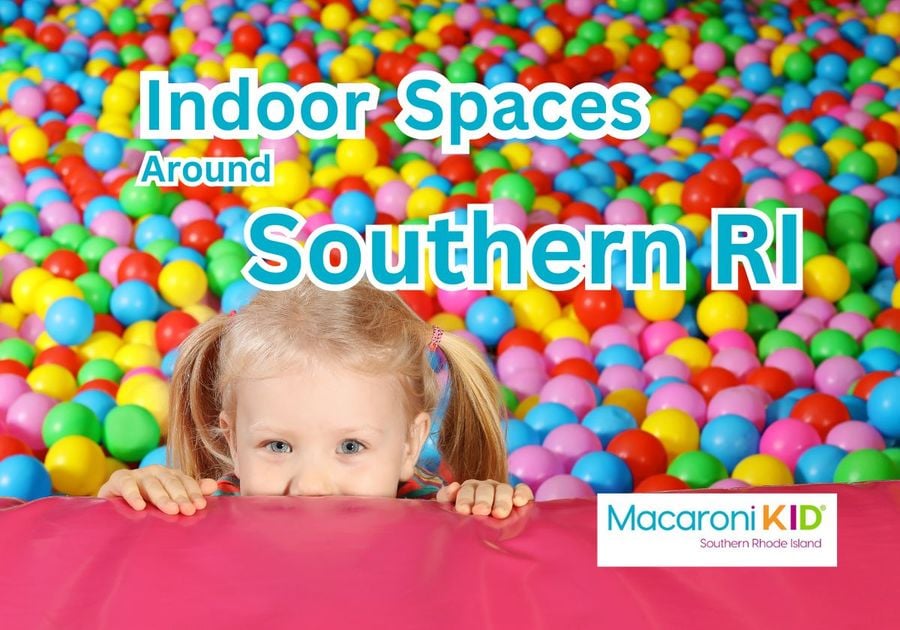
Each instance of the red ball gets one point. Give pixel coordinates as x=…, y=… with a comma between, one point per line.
x=10, y=445
x=59, y=355
x=102, y=385
x=661, y=483
x=575, y=366
x=420, y=302
x=867, y=383
x=821, y=411
x=201, y=234
x=11, y=366
x=140, y=266
x=171, y=330
x=246, y=39
x=108, y=323
x=63, y=99
x=521, y=337
x=65, y=264
x=701, y=194
x=224, y=147
x=711, y=380
x=642, y=452
x=305, y=73
x=457, y=169
x=597, y=307
x=644, y=58
x=772, y=380
x=727, y=175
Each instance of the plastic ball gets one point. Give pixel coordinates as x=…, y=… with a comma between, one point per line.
x=570, y=442
x=604, y=472
x=787, y=439
x=656, y=304
x=818, y=464
x=721, y=311
x=134, y=300
x=69, y=321
x=24, y=477
x=130, y=432
x=77, y=466
x=182, y=283
x=730, y=438
x=533, y=465
x=642, y=452
x=518, y=434
x=563, y=487
x=883, y=407
x=697, y=469
x=609, y=421
x=865, y=465
x=826, y=277
x=548, y=416
x=677, y=431
x=763, y=470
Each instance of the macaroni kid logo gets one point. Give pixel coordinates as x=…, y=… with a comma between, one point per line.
x=717, y=530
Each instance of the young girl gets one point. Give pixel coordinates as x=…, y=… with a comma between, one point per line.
x=313, y=392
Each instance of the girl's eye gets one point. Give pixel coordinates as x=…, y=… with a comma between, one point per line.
x=351, y=447
x=280, y=447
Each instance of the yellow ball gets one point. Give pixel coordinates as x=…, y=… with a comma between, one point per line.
x=414, y=172
x=53, y=290
x=549, y=38
x=518, y=154
x=631, y=400
x=763, y=470
x=382, y=10
x=721, y=311
x=656, y=304
x=11, y=315
x=343, y=69
x=448, y=322
x=182, y=283
x=792, y=143
x=141, y=332
x=100, y=345
x=885, y=156
x=363, y=57
x=895, y=296
x=565, y=327
x=676, y=54
x=665, y=116
x=379, y=176
x=889, y=24
x=148, y=392
x=28, y=143
x=669, y=192
x=77, y=466
x=693, y=352
x=356, y=156
x=335, y=17
x=44, y=341
x=535, y=308
x=26, y=285
x=120, y=100
x=200, y=312
x=526, y=405
x=135, y=355
x=291, y=182
x=826, y=277
x=53, y=380
x=424, y=202
x=677, y=431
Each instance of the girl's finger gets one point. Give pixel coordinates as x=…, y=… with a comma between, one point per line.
x=447, y=494
x=522, y=495
x=130, y=491
x=156, y=493
x=465, y=498
x=175, y=487
x=194, y=492
x=208, y=486
x=503, y=501
x=484, y=499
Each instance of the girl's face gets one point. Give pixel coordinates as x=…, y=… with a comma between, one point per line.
x=322, y=432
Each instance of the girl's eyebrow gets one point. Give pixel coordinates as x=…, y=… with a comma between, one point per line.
x=262, y=427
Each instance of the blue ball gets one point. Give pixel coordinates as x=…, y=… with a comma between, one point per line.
x=24, y=477
x=757, y=77
x=856, y=406
x=817, y=464
x=103, y=151
x=69, y=321
x=237, y=295
x=730, y=438
x=354, y=209
x=880, y=359
x=546, y=416
x=519, y=434
x=88, y=22
x=133, y=301
x=603, y=472
x=489, y=318
x=655, y=385
x=883, y=407
x=609, y=421
x=155, y=457
x=618, y=354
x=154, y=228
x=97, y=401
x=167, y=366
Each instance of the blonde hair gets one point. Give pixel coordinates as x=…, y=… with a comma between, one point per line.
x=361, y=328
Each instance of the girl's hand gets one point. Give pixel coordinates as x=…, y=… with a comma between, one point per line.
x=169, y=490
x=486, y=498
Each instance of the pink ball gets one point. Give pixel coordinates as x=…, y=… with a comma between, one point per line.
x=885, y=242
x=113, y=225
x=729, y=484
x=11, y=265
x=549, y=159
x=613, y=335
x=459, y=301
x=25, y=418
x=29, y=101
x=283, y=149
x=571, y=441
x=739, y=401
x=736, y=360
x=392, y=197
x=835, y=375
x=656, y=337
x=766, y=188
x=564, y=487
x=822, y=310
x=508, y=212
x=632, y=320
x=731, y=339
x=564, y=348
x=853, y=324
x=158, y=49
x=805, y=326
x=109, y=264
x=533, y=465
x=520, y=359
x=11, y=387
x=571, y=391
x=57, y=214
x=31, y=328
x=617, y=377
x=190, y=211
x=525, y=383
x=709, y=57
x=663, y=365
x=625, y=212
x=679, y=396
x=855, y=435
x=788, y=439
x=796, y=363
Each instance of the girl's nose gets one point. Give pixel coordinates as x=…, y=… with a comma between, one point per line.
x=311, y=485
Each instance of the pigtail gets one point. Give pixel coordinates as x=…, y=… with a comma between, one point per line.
x=471, y=440
x=196, y=444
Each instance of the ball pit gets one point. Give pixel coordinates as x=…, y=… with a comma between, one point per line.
x=607, y=391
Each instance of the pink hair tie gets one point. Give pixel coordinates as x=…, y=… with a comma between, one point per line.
x=436, y=335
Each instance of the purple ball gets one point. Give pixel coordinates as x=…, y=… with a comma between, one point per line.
x=564, y=487
x=855, y=435
x=570, y=441
x=533, y=465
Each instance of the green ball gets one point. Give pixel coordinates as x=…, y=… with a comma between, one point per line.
x=224, y=270
x=130, y=432
x=848, y=203
x=71, y=236
x=592, y=31
x=93, y=249
x=855, y=136
x=882, y=338
x=516, y=187
x=122, y=20
x=865, y=465
x=627, y=6
x=18, y=350
x=488, y=159
x=777, y=339
x=652, y=10
x=894, y=455
x=274, y=72
x=19, y=239
x=693, y=282
x=99, y=369
x=860, y=260
x=697, y=469
x=39, y=248
x=510, y=401
x=97, y=291
x=861, y=70
x=70, y=418
x=160, y=248
x=666, y=213
x=637, y=194
x=138, y=201
x=507, y=14
x=799, y=67
x=874, y=7
x=225, y=247
x=813, y=245
x=251, y=149
x=862, y=303
x=760, y=320
x=461, y=71
x=846, y=227
x=576, y=46
x=832, y=342
x=861, y=164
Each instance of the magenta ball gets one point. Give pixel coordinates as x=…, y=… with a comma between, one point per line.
x=731, y=339
x=679, y=396
x=656, y=337
x=458, y=301
x=25, y=418
x=739, y=401
x=564, y=487
x=835, y=375
x=855, y=435
x=571, y=441
x=533, y=465
x=571, y=391
x=788, y=439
